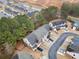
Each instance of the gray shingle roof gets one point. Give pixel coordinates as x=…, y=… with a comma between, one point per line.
x=76, y=23
x=22, y=55
x=75, y=44
x=58, y=24
x=32, y=38
x=3, y=1
x=38, y=34
x=8, y=10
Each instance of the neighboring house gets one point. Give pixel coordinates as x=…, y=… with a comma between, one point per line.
x=73, y=49
x=75, y=25
x=63, y=48
x=73, y=54
x=1, y=6
x=31, y=13
x=19, y=8
x=3, y=14
x=75, y=44
x=22, y=55
x=4, y=1
x=25, y=9
x=75, y=22
x=58, y=24
x=37, y=8
x=10, y=11
x=44, y=57
x=36, y=37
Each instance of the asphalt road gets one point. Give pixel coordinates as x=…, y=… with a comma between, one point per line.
x=53, y=50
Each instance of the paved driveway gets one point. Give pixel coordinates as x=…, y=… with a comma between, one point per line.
x=53, y=50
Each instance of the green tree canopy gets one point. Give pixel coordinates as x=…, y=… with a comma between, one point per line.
x=66, y=8
x=41, y=19
x=25, y=22
x=71, y=9
x=49, y=13
x=13, y=29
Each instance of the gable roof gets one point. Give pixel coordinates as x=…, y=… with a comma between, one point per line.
x=58, y=24
x=22, y=55
x=76, y=41
x=75, y=44
x=32, y=38
x=41, y=31
x=37, y=35
x=10, y=11
x=76, y=23
x=4, y=1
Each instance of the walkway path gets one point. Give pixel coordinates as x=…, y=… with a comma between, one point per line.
x=53, y=50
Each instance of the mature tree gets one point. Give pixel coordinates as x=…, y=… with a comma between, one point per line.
x=4, y=24
x=40, y=19
x=65, y=9
x=6, y=29
x=25, y=22
x=13, y=29
x=75, y=10
x=71, y=9
x=49, y=13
